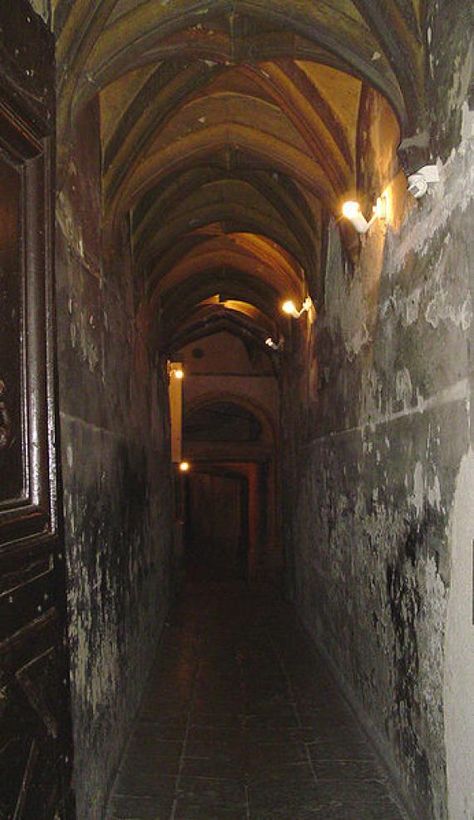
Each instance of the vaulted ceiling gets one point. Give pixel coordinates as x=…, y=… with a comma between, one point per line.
x=229, y=132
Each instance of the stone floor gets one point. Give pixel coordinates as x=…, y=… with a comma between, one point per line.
x=241, y=719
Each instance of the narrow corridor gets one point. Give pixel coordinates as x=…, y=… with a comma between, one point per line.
x=237, y=344
x=242, y=719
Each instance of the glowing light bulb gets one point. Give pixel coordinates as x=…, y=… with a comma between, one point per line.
x=184, y=466
x=178, y=374
x=289, y=308
x=351, y=209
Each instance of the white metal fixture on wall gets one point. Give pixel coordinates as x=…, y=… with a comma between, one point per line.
x=290, y=308
x=274, y=345
x=419, y=181
x=351, y=211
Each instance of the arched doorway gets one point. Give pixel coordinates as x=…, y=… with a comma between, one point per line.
x=230, y=505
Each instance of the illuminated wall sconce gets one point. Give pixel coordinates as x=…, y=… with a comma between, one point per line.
x=175, y=369
x=274, y=345
x=184, y=467
x=290, y=309
x=351, y=211
x=175, y=394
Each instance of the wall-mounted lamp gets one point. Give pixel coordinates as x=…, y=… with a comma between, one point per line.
x=175, y=393
x=274, y=345
x=184, y=467
x=351, y=210
x=290, y=309
x=175, y=369
x=418, y=182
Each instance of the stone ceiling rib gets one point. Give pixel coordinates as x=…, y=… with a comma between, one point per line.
x=230, y=129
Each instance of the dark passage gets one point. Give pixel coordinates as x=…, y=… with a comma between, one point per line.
x=241, y=719
x=216, y=527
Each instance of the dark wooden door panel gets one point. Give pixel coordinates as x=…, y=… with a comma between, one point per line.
x=217, y=524
x=35, y=737
x=11, y=320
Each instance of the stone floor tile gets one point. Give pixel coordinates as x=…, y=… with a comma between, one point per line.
x=140, y=808
x=194, y=811
x=215, y=734
x=333, y=808
x=167, y=727
x=332, y=748
x=219, y=764
x=353, y=789
x=264, y=757
x=212, y=791
x=282, y=793
x=216, y=719
x=348, y=770
x=381, y=809
x=160, y=711
x=274, y=732
x=147, y=761
x=241, y=718
x=278, y=719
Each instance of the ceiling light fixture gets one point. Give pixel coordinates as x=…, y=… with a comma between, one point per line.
x=351, y=211
x=290, y=309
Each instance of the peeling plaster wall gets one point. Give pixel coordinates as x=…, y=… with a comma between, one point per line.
x=116, y=479
x=377, y=480
x=459, y=675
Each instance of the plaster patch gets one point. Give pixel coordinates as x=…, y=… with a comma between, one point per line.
x=467, y=122
x=434, y=494
x=404, y=387
x=355, y=344
x=417, y=497
x=71, y=231
x=406, y=306
x=81, y=331
x=441, y=309
x=431, y=629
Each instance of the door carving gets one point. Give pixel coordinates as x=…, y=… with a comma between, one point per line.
x=34, y=716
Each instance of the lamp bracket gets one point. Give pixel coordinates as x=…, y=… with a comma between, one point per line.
x=418, y=182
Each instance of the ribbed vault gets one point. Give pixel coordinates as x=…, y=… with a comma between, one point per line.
x=230, y=132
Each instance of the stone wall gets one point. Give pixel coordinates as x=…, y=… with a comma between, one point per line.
x=116, y=477
x=377, y=468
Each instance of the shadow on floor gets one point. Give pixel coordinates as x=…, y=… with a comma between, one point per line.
x=242, y=719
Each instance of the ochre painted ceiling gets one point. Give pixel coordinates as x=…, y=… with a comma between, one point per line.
x=229, y=132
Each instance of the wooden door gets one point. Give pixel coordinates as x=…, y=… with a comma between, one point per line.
x=218, y=525
x=34, y=719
